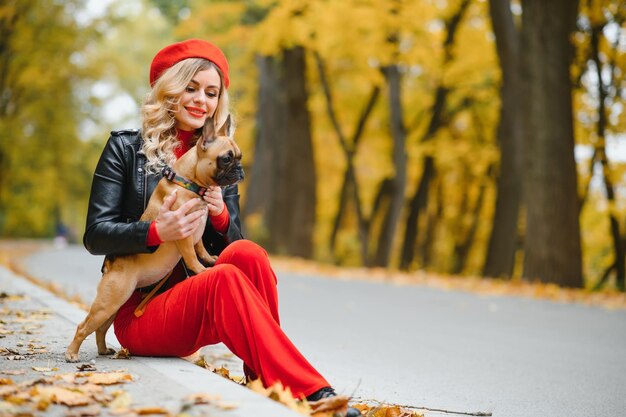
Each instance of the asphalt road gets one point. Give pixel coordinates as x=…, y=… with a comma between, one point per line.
x=432, y=348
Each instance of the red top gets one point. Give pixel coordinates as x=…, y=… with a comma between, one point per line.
x=219, y=222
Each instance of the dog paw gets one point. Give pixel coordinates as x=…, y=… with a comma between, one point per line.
x=208, y=261
x=107, y=352
x=71, y=357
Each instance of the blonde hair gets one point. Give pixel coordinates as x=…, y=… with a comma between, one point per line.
x=159, y=106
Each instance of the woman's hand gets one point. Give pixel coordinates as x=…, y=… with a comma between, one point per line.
x=181, y=223
x=214, y=199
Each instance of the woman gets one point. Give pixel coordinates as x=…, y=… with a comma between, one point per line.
x=234, y=302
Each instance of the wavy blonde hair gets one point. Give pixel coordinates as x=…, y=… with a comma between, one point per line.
x=159, y=106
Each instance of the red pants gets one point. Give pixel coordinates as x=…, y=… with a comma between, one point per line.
x=234, y=302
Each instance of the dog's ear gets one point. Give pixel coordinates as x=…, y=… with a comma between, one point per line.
x=226, y=129
x=208, y=133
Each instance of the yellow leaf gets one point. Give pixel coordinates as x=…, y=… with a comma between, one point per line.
x=121, y=354
x=91, y=411
x=63, y=396
x=142, y=411
x=109, y=378
x=121, y=401
x=202, y=398
x=44, y=369
x=13, y=372
x=329, y=406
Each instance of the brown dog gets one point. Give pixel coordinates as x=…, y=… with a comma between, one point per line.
x=214, y=160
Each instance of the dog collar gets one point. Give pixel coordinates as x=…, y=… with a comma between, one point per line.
x=183, y=182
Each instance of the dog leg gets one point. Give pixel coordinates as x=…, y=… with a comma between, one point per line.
x=202, y=253
x=101, y=333
x=113, y=290
x=186, y=249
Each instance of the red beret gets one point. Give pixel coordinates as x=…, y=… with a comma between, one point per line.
x=191, y=48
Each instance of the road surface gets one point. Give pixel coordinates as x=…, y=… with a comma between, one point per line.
x=426, y=347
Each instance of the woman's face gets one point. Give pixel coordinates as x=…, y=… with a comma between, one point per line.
x=199, y=100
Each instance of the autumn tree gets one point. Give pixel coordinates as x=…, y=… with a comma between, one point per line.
x=552, y=250
x=283, y=188
x=503, y=242
x=601, y=79
x=42, y=159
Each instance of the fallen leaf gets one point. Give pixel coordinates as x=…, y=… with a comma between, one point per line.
x=69, y=378
x=387, y=411
x=280, y=394
x=87, y=367
x=16, y=357
x=222, y=371
x=226, y=406
x=7, y=390
x=121, y=354
x=329, y=406
x=8, y=351
x=109, y=378
x=103, y=398
x=121, y=400
x=63, y=396
x=16, y=399
x=202, y=398
x=32, y=382
x=43, y=404
x=44, y=369
x=142, y=411
x=89, y=389
x=90, y=411
x=13, y=372
x=7, y=408
x=6, y=381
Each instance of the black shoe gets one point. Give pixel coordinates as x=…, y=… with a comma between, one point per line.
x=328, y=392
x=325, y=392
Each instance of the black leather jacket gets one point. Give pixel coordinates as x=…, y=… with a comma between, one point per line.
x=120, y=192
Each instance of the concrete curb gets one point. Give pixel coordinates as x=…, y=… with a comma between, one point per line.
x=187, y=376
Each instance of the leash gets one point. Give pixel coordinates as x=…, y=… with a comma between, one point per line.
x=183, y=182
x=142, y=306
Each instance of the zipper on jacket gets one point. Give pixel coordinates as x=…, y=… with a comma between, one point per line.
x=145, y=189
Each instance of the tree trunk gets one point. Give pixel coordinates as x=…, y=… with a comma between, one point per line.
x=600, y=151
x=292, y=217
x=503, y=240
x=420, y=199
x=263, y=181
x=398, y=185
x=552, y=239
x=462, y=247
x=282, y=184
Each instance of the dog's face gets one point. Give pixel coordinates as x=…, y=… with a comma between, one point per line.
x=219, y=157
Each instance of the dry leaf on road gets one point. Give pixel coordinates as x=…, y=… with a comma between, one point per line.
x=109, y=378
x=13, y=372
x=121, y=354
x=121, y=401
x=202, y=398
x=44, y=369
x=63, y=396
x=90, y=411
x=142, y=411
x=328, y=407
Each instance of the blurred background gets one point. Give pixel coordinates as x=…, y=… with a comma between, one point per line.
x=462, y=137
